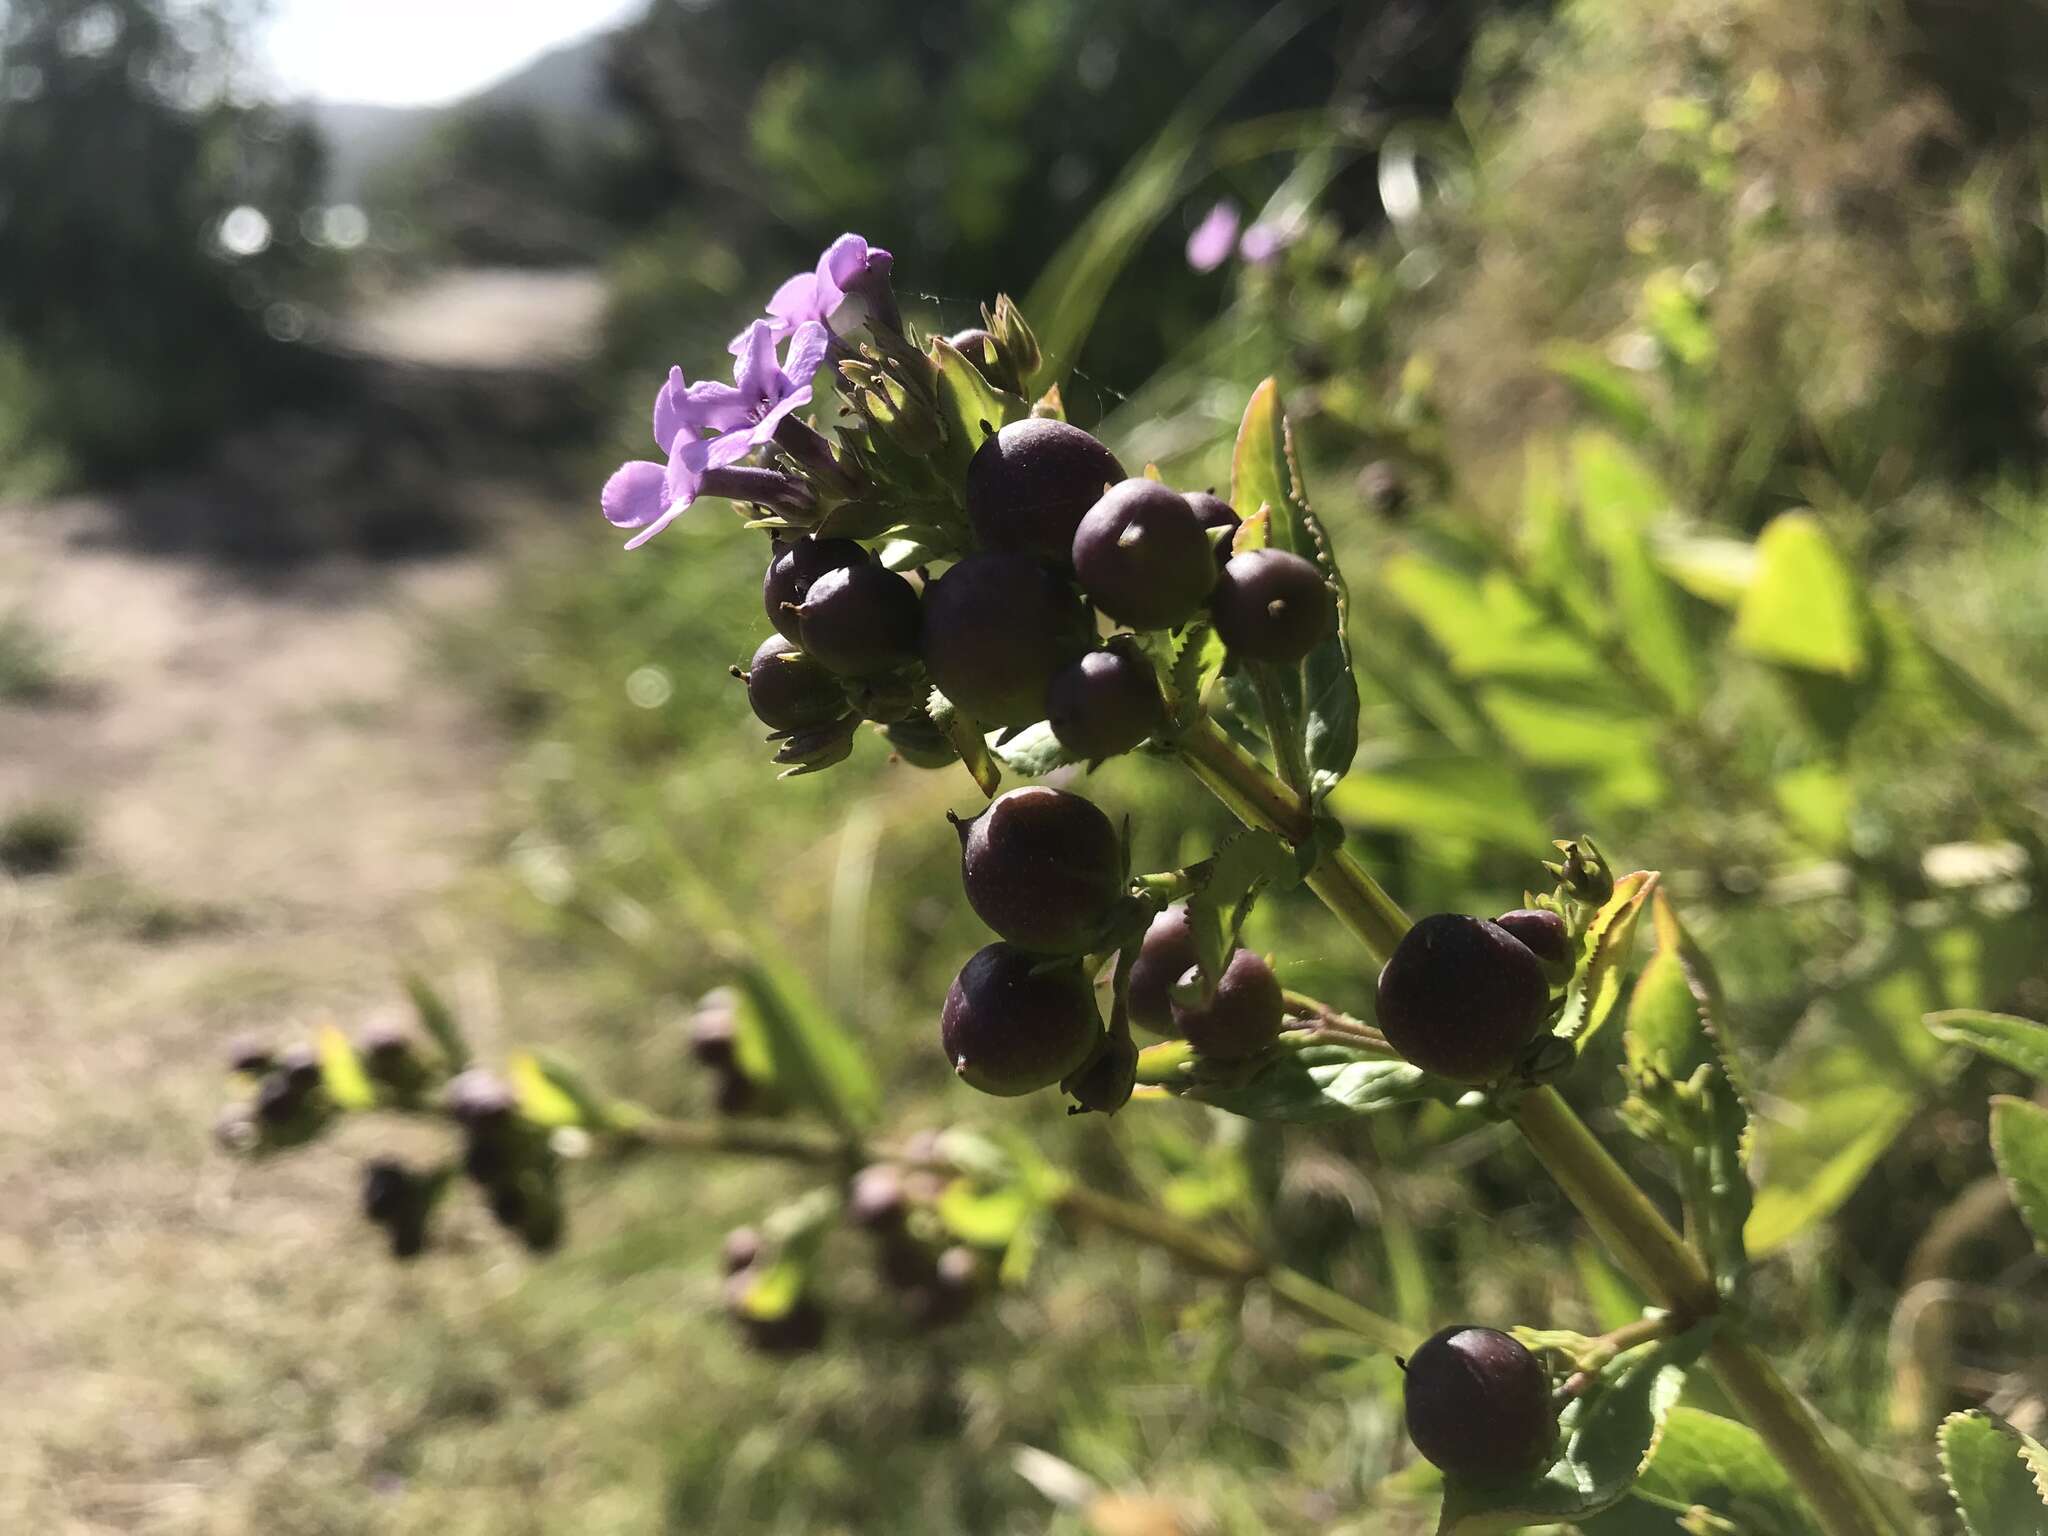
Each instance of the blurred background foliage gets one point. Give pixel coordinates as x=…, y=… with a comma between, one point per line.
x=1672, y=378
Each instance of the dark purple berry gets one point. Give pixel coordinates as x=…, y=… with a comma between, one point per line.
x=279, y=1099
x=1542, y=930
x=1384, y=488
x=1142, y=558
x=1213, y=512
x=1272, y=606
x=1163, y=958
x=387, y=1188
x=875, y=1199
x=860, y=620
x=250, y=1054
x=714, y=1031
x=1104, y=704
x=986, y=353
x=742, y=1249
x=789, y=690
x=1104, y=1085
x=1043, y=868
x=1242, y=1019
x=795, y=566
x=1029, y=486
x=905, y=1263
x=735, y=1093
x=997, y=629
x=799, y=1331
x=388, y=1054
x=479, y=1100
x=301, y=1065
x=1479, y=1406
x=1014, y=1023
x=956, y=1281
x=1462, y=997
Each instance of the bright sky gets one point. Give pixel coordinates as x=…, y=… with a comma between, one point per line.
x=418, y=52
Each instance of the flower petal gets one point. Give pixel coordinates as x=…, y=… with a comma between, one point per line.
x=1262, y=242
x=797, y=300
x=754, y=372
x=844, y=260
x=1209, y=246
x=709, y=407
x=668, y=420
x=796, y=399
x=807, y=347
x=635, y=495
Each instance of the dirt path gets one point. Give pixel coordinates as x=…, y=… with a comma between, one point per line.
x=271, y=784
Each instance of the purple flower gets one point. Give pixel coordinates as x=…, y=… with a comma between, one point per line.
x=1209, y=246
x=1263, y=241
x=744, y=414
x=849, y=264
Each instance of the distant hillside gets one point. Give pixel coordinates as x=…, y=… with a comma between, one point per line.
x=565, y=82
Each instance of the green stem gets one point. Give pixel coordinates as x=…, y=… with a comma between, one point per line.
x=1259, y=800
x=1232, y=1260
x=1647, y=1246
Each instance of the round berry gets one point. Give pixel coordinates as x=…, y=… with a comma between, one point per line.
x=1478, y=1405
x=790, y=691
x=799, y=1331
x=1104, y=1085
x=1384, y=488
x=982, y=349
x=1043, y=868
x=250, y=1054
x=876, y=1200
x=1014, y=1023
x=1213, y=512
x=301, y=1066
x=1542, y=930
x=860, y=620
x=1104, y=704
x=1142, y=558
x=387, y=1189
x=479, y=1098
x=714, y=1030
x=1272, y=606
x=1029, y=486
x=1462, y=997
x=1165, y=954
x=742, y=1249
x=795, y=566
x=1242, y=1019
x=997, y=629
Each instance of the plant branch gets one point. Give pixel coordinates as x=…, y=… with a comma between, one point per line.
x=1647, y=1246
x=1260, y=800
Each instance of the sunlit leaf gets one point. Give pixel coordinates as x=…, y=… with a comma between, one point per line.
x=969, y=405
x=1621, y=500
x=2019, y=1140
x=1322, y=1083
x=813, y=1059
x=1612, y=392
x=1715, y=569
x=1710, y=1463
x=1031, y=752
x=1990, y=1478
x=1804, y=608
x=341, y=1070
x=2017, y=1042
x=1448, y=796
x=541, y=1100
x=968, y=740
x=1604, y=951
x=986, y=1218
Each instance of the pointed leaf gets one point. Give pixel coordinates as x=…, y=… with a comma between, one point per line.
x=970, y=406
x=1453, y=796
x=1603, y=957
x=1031, y=752
x=541, y=1100
x=985, y=1218
x=1707, y=1462
x=438, y=1020
x=1320, y=1083
x=341, y=1071
x=1612, y=392
x=814, y=1060
x=2017, y=1042
x=1805, y=608
x=968, y=740
x=1988, y=1473
x=1606, y=1437
x=2019, y=1140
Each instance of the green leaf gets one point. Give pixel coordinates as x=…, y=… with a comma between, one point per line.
x=1321, y=1083
x=1450, y=796
x=1607, y=1436
x=1859, y=1126
x=438, y=1020
x=1487, y=625
x=1321, y=695
x=1603, y=955
x=2019, y=1140
x=1986, y=1466
x=2017, y=1042
x=1707, y=1462
x=1604, y=388
x=1620, y=501
x=541, y=1099
x=1712, y=568
x=341, y=1071
x=968, y=739
x=1031, y=752
x=814, y=1060
x=1805, y=608
x=1197, y=662
x=969, y=405
x=1684, y=1092
x=985, y=1218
